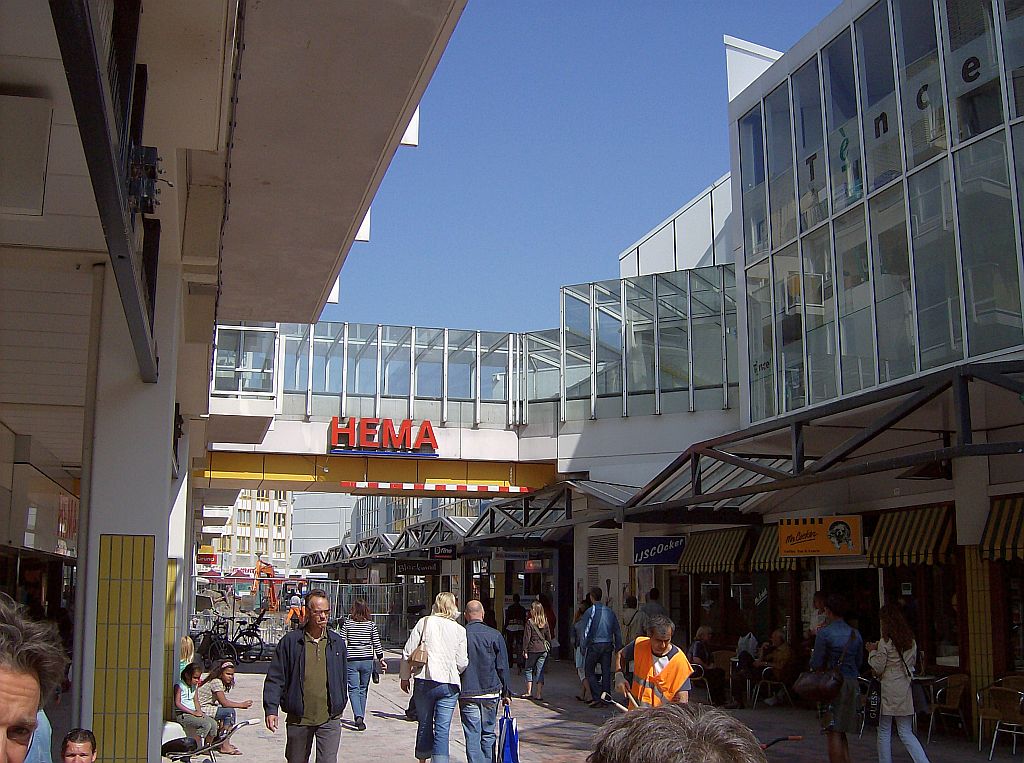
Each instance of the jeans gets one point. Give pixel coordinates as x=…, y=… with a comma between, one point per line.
x=905, y=729
x=358, y=672
x=435, y=706
x=478, y=719
x=299, y=744
x=598, y=654
x=226, y=715
x=534, y=670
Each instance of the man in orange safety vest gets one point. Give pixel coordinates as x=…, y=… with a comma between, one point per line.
x=661, y=671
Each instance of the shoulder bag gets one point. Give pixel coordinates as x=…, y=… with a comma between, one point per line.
x=921, y=704
x=418, y=658
x=823, y=685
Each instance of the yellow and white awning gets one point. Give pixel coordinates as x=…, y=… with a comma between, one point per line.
x=716, y=551
x=914, y=536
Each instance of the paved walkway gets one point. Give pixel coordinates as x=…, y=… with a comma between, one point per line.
x=559, y=730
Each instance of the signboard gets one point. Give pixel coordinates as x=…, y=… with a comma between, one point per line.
x=442, y=552
x=841, y=535
x=534, y=565
x=417, y=567
x=206, y=555
x=381, y=437
x=658, y=549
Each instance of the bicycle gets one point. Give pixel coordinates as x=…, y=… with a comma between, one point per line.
x=245, y=645
x=247, y=641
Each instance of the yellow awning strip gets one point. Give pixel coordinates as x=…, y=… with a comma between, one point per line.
x=1003, y=539
x=915, y=536
x=766, y=556
x=717, y=551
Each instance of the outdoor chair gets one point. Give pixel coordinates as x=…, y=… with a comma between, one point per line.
x=1010, y=719
x=697, y=679
x=863, y=687
x=948, y=701
x=772, y=684
x=986, y=712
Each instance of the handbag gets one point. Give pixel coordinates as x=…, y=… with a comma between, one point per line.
x=375, y=673
x=508, y=738
x=873, y=703
x=920, y=699
x=822, y=685
x=418, y=658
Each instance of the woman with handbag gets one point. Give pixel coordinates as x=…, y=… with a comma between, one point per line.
x=536, y=647
x=891, y=659
x=837, y=655
x=436, y=653
x=365, y=657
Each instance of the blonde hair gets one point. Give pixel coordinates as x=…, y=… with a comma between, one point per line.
x=704, y=630
x=188, y=649
x=445, y=606
x=537, y=615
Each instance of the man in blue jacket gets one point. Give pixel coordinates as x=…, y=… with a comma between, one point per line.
x=484, y=683
x=601, y=639
x=307, y=680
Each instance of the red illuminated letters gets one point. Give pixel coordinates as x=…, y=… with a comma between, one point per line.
x=380, y=434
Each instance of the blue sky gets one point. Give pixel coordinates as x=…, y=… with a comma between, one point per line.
x=552, y=136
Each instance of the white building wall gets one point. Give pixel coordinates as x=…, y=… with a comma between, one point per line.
x=319, y=521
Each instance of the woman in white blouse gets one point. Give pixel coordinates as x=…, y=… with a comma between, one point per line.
x=892, y=660
x=438, y=681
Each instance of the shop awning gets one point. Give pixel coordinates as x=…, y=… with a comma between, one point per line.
x=766, y=556
x=1003, y=538
x=916, y=536
x=717, y=551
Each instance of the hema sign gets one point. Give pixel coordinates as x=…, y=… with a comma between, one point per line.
x=658, y=549
x=382, y=437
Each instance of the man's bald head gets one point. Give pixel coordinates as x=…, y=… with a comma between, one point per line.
x=474, y=611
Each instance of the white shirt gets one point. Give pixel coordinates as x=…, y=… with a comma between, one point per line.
x=447, y=652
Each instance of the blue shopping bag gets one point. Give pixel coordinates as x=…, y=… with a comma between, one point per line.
x=508, y=738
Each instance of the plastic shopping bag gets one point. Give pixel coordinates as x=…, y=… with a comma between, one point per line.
x=508, y=738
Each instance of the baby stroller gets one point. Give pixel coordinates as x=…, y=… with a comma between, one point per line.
x=186, y=749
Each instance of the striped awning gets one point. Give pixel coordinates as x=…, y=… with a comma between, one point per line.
x=915, y=536
x=1003, y=539
x=766, y=556
x=717, y=551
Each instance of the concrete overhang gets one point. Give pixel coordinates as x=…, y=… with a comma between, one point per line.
x=241, y=428
x=325, y=93
x=216, y=515
x=212, y=496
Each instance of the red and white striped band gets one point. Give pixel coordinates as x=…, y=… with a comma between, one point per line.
x=440, y=487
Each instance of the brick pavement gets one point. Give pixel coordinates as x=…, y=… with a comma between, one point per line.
x=559, y=730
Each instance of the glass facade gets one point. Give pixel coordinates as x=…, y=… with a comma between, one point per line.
x=635, y=346
x=908, y=253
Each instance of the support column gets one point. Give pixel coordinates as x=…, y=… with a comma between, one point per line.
x=980, y=639
x=129, y=505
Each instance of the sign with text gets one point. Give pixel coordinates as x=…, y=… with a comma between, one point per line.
x=381, y=437
x=417, y=566
x=841, y=535
x=658, y=549
x=442, y=552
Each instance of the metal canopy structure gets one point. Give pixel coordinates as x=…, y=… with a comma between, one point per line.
x=440, y=531
x=926, y=421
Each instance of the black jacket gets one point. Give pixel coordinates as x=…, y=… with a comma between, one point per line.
x=488, y=662
x=283, y=686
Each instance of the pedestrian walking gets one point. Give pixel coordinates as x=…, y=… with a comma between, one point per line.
x=307, y=679
x=632, y=619
x=213, y=698
x=79, y=746
x=484, y=684
x=437, y=644
x=576, y=638
x=661, y=672
x=365, y=654
x=838, y=645
x=515, y=625
x=536, y=648
x=601, y=639
x=892, y=659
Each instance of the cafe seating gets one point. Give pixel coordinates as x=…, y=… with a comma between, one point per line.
x=697, y=679
x=1010, y=718
x=986, y=711
x=772, y=684
x=947, y=701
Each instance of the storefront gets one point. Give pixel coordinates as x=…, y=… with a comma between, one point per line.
x=783, y=589
x=1002, y=545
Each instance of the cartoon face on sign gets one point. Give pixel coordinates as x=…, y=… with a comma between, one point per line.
x=840, y=534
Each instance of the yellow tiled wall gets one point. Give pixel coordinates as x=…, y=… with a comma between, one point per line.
x=170, y=642
x=124, y=631
x=979, y=620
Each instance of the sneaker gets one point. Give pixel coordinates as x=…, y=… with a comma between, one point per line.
x=360, y=726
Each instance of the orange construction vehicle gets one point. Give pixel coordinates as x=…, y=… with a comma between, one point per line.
x=264, y=570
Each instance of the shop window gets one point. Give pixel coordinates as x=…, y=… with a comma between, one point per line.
x=810, y=144
x=841, y=121
x=712, y=604
x=972, y=68
x=924, y=111
x=752, y=183
x=946, y=614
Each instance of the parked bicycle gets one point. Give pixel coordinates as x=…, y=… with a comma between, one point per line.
x=245, y=645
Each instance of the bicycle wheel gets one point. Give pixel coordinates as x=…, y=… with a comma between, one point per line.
x=222, y=649
x=249, y=646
